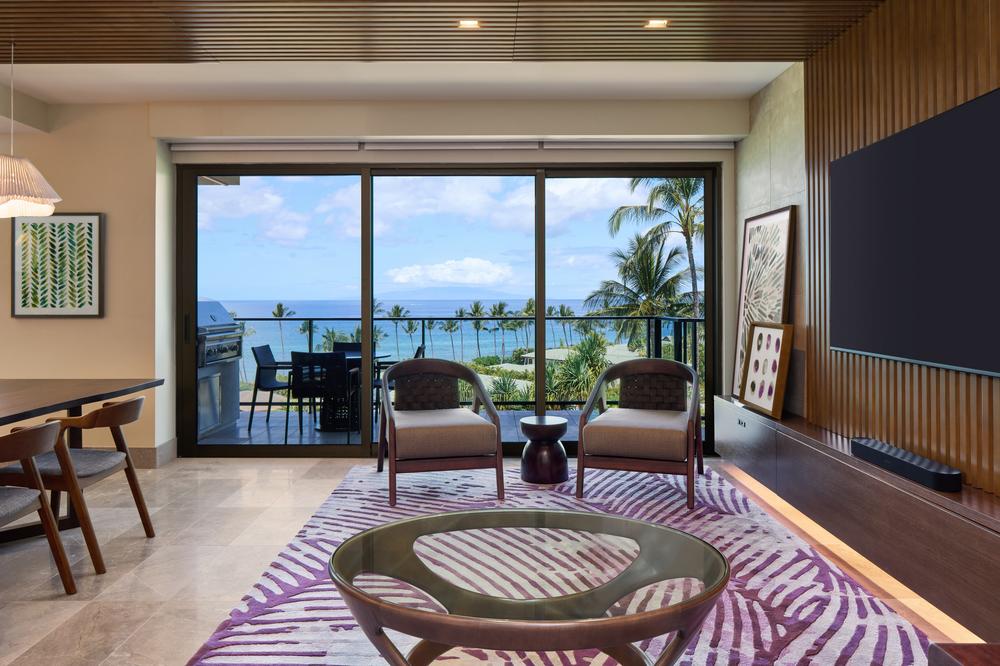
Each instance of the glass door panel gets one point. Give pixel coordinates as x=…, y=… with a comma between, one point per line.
x=278, y=275
x=620, y=278
x=453, y=278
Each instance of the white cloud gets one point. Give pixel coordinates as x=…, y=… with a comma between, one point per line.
x=251, y=197
x=466, y=271
x=285, y=228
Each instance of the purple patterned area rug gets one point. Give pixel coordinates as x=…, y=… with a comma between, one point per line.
x=785, y=603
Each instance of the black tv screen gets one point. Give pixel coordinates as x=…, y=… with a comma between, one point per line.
x=915, y=243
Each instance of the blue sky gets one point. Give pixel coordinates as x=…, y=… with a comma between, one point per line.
x=298, y=237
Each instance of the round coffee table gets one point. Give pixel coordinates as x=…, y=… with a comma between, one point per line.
x=528, y=580
x=544, y=458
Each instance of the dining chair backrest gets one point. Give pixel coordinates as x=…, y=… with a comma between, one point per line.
x=29, y=442
x=319, y=374
x=263, y=356
x=420, y=352
x=347, y=347
x=113, y=414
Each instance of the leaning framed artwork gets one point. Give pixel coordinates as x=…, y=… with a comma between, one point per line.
x=765, y=277
x=57, y=265
x=765, y=368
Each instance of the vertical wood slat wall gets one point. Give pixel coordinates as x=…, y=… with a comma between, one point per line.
x=906, y=61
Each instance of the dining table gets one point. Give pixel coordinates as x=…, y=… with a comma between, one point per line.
x=353, y=359
x=23, y=399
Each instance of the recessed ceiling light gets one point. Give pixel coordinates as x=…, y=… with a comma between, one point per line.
x=468, y=24
x=656, y=24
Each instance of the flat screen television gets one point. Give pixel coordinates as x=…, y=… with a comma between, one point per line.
x=915, y=243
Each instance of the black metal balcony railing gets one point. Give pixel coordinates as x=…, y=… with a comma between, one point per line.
x=679, y=338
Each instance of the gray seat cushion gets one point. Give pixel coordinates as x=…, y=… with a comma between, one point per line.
x=87, y=462
x=443, y=433
x=653, y=434
x=16, y=502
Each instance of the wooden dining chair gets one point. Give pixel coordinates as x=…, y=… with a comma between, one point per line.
x=23, y=446
x=71, y=470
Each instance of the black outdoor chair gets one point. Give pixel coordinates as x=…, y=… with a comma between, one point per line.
x=347, y=347
x=266, y=379
x=325, y=376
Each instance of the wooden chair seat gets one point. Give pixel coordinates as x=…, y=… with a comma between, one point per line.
x=17, y=502
x=91, y=466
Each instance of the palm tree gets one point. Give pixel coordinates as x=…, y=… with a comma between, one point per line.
x=528, y=311
x=460, y=313
x=566, y=311
x=477, y=310
x=328, y=340
x=450, y=326
x=281, y=312
x=396, y=312
x=309, y=326
x=673, y=205
x=431, y=324
x=649, y=281
x=574, y=377
x=410, y=327
x=498, y=310
x=550, y=312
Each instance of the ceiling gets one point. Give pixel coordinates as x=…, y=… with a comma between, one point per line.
x=184, y=31
x=412, y=81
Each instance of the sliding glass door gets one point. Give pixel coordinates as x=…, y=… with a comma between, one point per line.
x=536, y=278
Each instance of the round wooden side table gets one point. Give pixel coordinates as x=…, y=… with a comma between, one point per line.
x=544, y=457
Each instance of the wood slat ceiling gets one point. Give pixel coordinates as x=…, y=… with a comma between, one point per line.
x=116, y=31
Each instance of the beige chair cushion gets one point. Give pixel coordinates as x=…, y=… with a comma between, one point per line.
x=638, y=433
x=443, y=433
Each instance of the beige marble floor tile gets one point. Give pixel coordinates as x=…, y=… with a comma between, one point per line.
x=213, y=527
x=236, y=568
x=90, y=635
x=160, y=576
x=24, y=623
x=170, y=636
x=275, y=526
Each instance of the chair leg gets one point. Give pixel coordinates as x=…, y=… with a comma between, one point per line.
x=500, y=493
x=270, y=399
x=701, y=450
x=56, y=546
x=253, y=405
x=392, y=482
x=133, y=482
x=80, y=506
x=288, y=412
x=300, y=417
x=690, y=484
x=579, y=469
x=383, y=442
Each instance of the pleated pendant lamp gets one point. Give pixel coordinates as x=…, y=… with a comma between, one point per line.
x=23, y=189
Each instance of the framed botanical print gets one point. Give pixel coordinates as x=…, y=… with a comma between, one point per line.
x=765, y=367
x=57, y=265
x=765, y=277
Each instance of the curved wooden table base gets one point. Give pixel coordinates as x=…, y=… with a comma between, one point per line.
x=576, y=621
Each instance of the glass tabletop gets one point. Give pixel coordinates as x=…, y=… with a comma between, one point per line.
x=529, y=565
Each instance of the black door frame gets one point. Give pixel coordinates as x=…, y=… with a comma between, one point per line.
x=186, y=278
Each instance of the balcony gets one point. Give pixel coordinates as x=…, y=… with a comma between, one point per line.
x=499, y=349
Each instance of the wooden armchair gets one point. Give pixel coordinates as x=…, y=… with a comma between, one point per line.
x=656, y=427
x=427, y=429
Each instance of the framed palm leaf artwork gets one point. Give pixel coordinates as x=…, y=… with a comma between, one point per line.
x=765, y=278
x=57, y=266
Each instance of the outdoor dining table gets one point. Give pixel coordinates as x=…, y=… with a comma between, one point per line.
x=353, y=359
x=22, y=399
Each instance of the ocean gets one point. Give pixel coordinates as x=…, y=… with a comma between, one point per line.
x=286, y=337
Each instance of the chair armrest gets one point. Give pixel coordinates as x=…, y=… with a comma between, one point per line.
x=276, y=366
x=482, y=397
x=596, y=399
x=387, y=409
x=695, y=405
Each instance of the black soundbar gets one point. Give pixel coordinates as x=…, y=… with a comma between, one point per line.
x=909, y=465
